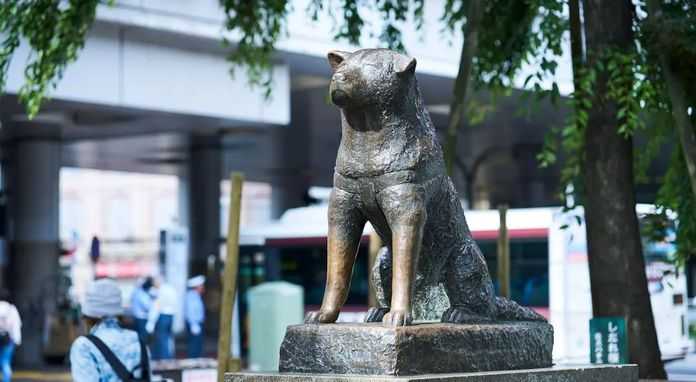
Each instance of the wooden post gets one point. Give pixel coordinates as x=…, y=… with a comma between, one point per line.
x=229, y=282
x=503, y=254
x=373, y=250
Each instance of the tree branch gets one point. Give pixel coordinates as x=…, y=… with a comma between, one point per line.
x=461, y=84
x=677, y=97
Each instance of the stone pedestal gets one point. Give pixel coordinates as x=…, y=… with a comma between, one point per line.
x=618, y=373
x=372, y=349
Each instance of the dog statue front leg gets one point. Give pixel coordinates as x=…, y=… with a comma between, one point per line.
x=346, y=224
x=404, y=207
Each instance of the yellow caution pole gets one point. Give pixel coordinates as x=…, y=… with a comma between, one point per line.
x=229, y=282
x=503, y=254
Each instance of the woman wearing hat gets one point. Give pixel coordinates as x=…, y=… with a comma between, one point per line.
x=109, y=352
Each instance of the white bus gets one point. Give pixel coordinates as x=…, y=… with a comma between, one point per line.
x=549, y=270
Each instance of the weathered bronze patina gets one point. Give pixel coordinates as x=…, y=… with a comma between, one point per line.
x=390, y=172
x=374, y=349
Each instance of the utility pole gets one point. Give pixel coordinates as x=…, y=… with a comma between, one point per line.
x=229, y=282
x=503, y=254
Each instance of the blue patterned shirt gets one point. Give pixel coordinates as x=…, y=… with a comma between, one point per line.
x=89, y=365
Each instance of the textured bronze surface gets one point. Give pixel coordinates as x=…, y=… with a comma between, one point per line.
x=374, y=349
x=390, y=172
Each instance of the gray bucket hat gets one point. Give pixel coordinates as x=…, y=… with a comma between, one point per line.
x=103, y=299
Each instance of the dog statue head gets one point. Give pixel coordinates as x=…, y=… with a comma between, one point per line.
x=370, y=77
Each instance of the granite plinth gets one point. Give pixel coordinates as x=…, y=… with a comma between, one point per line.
x=617, y=373
x=431, y=348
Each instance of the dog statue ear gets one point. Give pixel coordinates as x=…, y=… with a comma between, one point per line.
x=336, y=57
x=406, y=66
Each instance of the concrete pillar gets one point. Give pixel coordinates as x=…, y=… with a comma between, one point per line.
x=33, y=188
x=286, y=193
x=289, y=183
x=204, y=176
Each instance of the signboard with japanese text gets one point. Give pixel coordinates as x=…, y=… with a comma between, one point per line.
x=608, y=341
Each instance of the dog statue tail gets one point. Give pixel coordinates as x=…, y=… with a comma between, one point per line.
x=509, y=310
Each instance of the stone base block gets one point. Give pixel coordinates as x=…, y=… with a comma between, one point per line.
x=431, y=348
x=617, y=373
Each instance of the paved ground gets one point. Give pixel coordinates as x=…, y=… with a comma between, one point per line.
x=683, y=369
x=40, y=376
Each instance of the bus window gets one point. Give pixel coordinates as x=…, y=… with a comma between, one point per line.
x=306, y=266
x=529, y=269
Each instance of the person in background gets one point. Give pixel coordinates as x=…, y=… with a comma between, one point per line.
x=194, y=314
x=95, y=250
x=161, y=320
x=141, y=302
x=10, y=334
x=110, y=352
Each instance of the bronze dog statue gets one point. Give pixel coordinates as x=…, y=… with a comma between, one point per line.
x=390, y=171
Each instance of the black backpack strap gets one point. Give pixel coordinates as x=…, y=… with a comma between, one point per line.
x=111, y=358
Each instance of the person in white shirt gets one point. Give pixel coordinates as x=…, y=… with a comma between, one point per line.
x=161, y=320
x=10, y=334
x=141, y=302
x=194, y=315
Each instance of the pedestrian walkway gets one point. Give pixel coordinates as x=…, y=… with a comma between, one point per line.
x=39, y=376
x=683, y=370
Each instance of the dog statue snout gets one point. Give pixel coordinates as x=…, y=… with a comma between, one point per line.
x=339, y=77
